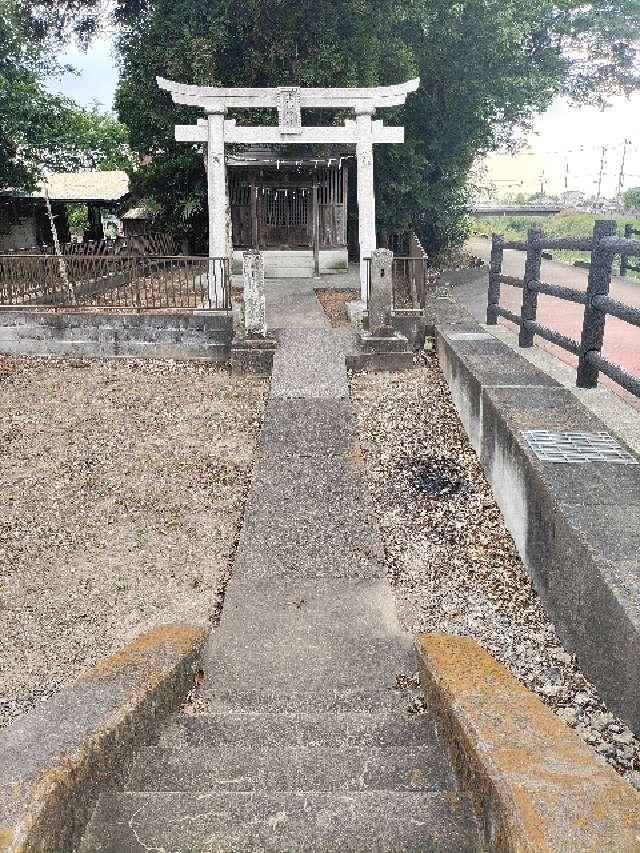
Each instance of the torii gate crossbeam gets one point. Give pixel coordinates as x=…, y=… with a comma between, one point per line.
x=215, y=131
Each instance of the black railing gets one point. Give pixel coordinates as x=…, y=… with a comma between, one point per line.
x=603, y=245
x=629, y=233
x=141, y=283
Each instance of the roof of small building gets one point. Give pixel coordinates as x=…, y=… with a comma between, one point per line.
x=85, y=186
x=140, y=212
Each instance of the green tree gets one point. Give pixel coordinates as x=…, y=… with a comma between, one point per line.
x=632, y=198
x=486, y=67
x=38, y=130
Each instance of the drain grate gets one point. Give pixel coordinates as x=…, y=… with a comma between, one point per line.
x=576, y=447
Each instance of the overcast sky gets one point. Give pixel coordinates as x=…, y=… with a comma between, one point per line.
x=564, y=135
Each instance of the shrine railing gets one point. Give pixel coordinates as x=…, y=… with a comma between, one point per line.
x=598, y=305
x=141, y=283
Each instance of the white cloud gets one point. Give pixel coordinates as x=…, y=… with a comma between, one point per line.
x=566, y=145
x=98, y=75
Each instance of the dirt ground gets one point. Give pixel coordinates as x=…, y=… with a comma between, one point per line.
x=333, y=302
x=122, y=487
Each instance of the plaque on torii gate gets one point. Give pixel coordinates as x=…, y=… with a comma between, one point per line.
x=364, y=132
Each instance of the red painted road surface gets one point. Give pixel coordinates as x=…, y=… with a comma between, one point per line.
x=621, y=340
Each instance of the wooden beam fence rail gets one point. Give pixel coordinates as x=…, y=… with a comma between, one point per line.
x=629, y=232
x=603, y=245
x=577, y=244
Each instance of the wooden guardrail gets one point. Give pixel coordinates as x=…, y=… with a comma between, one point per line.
x=603, y=245
x=629, y=233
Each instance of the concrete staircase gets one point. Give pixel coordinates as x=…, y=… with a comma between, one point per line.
x=305, y=742
x=237, y=780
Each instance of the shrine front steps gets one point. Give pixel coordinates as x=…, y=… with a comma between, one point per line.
x=240, y=781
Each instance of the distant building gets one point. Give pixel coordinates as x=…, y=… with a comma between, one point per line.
x=24, y=223
x=572, y=198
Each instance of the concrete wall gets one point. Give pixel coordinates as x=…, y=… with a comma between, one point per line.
x=176, y=336
x=576, y=526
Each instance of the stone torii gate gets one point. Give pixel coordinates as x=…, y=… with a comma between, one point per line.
x=216, y=130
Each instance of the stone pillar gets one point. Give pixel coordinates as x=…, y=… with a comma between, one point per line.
x=381, y=297
x=216, y=191
x=254, y=302
x=366, y=195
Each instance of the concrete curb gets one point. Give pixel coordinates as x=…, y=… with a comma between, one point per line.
x=535, y=786
x=575, y=525
x=56, y=760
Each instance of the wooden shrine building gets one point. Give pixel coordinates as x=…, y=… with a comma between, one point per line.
x=293, y=210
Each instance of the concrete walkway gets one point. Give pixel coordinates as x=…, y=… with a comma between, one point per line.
x=291, y=302
x=306, y=743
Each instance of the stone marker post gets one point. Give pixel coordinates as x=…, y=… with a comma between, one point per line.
x=381, y=294
x=255, y=322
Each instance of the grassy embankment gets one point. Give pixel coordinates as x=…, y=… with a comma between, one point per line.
x=568, y=223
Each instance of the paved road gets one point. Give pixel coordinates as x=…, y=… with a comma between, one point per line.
x=621, y=340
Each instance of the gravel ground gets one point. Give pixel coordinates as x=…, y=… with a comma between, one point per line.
x=121, y=492
x=333, y=301
x=453, y=564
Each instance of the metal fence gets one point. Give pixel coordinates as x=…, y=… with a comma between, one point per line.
x=629, y=233
x=156, y=243
x=409, y=276
x=603, y=245
x=140, y=283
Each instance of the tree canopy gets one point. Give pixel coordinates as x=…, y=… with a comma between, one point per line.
x=39, y=130
x=632, y=198
x=486, y=67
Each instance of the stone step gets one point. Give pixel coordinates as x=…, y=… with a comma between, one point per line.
x=310, y=364
x=317, y=640
x=340, y=699
x=357, y=822
x=279, y=767
x=375, y=729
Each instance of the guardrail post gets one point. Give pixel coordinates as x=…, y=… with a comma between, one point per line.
x=624, y=259
x=594, y=318
x=495, y=269
x=529, y=293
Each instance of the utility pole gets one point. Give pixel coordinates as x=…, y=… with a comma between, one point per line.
x=621, y=175
x=603, y=160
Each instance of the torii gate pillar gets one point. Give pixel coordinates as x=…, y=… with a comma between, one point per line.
x=289, y=101
x=366, y=196
x=216, y=190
